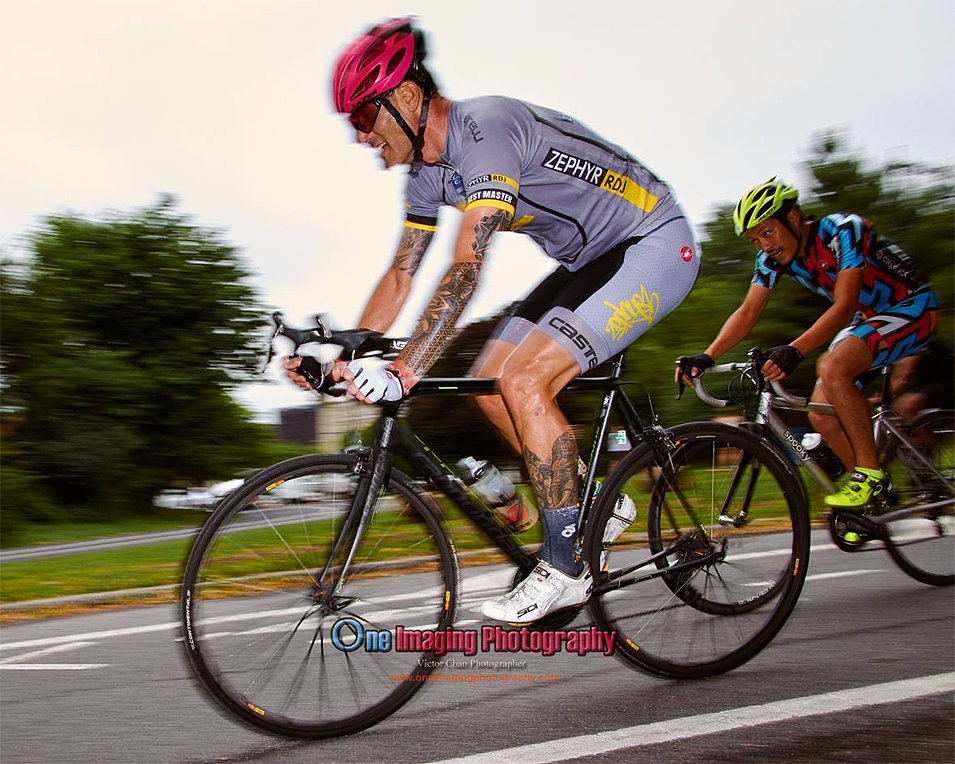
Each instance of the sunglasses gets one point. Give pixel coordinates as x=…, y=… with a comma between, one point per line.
x=364, y=117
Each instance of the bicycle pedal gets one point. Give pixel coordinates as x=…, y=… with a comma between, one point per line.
x=851, y=538
x=852, y=529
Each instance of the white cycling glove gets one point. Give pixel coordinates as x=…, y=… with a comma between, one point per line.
x=377, y=382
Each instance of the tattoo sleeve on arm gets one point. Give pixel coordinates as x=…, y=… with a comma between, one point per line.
x=498, y=220
x=555, y=483
x=414, y=243
x=441, y=316
x=437, y=325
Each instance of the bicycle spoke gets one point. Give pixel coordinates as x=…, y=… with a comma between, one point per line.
x=261, y=629
x=730, y=531
x=921, y=539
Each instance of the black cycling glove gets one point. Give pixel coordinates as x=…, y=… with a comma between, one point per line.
x=312, y=370
x=701, y=362
x=786, y=357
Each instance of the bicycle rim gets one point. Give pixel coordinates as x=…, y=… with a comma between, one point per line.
x=716, y=591
x=923, y=543
x=261, y=636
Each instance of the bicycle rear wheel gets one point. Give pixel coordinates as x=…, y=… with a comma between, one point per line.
x=923, y=543
x=269, y=631
x=718, y=568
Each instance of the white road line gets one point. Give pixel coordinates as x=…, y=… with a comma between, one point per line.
x=95, y=635
x=840, y=574
x=175, y=625
x=47, y=651
x=715, y=723
x=7, y=664
x=51, y=666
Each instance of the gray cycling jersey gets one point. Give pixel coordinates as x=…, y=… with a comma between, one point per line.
x=574, y=193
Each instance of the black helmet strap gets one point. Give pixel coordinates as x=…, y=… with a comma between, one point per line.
x=417, y=140
x=782, y=215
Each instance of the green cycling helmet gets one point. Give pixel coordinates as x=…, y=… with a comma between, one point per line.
x=762, y=202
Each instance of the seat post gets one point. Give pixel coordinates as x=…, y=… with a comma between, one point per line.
x=616, y=365
x=885, y=387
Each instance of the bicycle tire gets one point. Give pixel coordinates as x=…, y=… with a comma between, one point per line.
x=737, y=584
x=262, y=642
x=923, y=544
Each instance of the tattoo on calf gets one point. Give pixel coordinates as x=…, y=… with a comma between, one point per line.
x=555, y=483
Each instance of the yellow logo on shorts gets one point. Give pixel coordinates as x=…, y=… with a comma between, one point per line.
x=642, y=306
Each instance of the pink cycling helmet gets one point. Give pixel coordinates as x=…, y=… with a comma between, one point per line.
x=378, y=61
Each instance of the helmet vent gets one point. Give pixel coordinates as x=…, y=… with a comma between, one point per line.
x=395, y=61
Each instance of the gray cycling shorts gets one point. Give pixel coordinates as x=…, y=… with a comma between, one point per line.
x=602, y=308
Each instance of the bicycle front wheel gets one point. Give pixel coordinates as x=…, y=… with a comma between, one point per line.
x=274, y=632
x=717, y=569
x=919, y=530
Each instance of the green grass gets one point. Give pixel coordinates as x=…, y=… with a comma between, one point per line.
x=161, y=563
x=101, y=571
x=158, y=519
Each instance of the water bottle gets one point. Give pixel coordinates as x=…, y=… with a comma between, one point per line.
x=814, y=445
x=498, y=491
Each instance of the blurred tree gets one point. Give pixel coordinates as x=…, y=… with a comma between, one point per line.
x=121, y=338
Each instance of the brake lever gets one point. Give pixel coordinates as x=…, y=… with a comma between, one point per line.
x=680, y=384
x=270, y=350
x=297, y=337
x=758, y=358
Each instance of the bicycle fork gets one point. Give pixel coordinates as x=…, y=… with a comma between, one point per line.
x=371, y=480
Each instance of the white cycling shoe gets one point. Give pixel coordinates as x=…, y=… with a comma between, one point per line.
x=624, y=510
x=545, y=591
x=623, y=514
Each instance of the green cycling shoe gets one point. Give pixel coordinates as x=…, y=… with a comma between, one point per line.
x=863, y=487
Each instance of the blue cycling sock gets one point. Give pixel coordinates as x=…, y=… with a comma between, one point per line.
x=560, y=539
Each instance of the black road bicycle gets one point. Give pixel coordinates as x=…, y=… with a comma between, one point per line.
x=298, y=584
x=915, y=521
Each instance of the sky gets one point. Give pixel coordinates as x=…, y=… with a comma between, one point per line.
x=106, y=104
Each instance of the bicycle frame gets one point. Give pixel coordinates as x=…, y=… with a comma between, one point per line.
x=774, y=397
x=393, y=438
x=769, y=402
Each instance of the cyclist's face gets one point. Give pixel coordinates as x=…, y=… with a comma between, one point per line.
x=775, y=239
x=386, y=136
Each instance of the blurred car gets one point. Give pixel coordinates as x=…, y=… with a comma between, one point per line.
x=308, y=488
x=223, y=489
x=184, y=498
x=311, y=488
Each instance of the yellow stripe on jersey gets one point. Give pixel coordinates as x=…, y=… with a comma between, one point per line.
x=421, y=226
x=490, y=203
x=634, y=193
